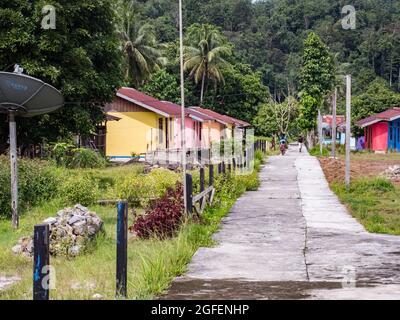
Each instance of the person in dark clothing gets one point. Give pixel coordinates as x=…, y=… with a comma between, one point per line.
x=301, y=142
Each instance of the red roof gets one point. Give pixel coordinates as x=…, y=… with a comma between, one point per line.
x=329, y=119
x=221, y=118
x=166, y=109
x=388, y=115
x=169, y=109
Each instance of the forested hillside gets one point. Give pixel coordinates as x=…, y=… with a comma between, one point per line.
x=269, y=34
x=240, y=54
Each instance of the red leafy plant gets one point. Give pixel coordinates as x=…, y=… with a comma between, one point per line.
x=163, y=217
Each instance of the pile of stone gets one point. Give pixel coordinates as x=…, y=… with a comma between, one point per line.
x=70, y=232
x=392, y=173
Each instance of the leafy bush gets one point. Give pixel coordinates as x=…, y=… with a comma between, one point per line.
x=86, y=158
x=315, y=151
x=81, y=189
x=37, y=181
x=66, y=155
x=141, y=189
x=164, y=217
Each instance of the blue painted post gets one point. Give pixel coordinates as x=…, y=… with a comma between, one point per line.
x=41, y=262
x=122, y=248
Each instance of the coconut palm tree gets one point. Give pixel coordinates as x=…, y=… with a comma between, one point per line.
x=204, y=57
x=143, y=54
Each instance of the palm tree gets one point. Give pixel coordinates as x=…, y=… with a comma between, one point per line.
x=143, y=54
x=205, y=56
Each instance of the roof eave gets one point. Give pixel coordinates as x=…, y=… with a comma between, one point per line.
x=155, y=110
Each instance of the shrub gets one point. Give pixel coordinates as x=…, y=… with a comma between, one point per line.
x=37, y=181
x=164, y=217
x=86, y=158
x=80, y=189
x=141, y=189
x=67, y=156
x=259, y=155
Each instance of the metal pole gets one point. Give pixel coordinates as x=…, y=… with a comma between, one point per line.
x=334, y=133
x=320, y=131
x=14, y=170
x=348, y=129
x=183, y=137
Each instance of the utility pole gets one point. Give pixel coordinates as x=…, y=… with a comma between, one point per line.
x=14, y=170
x=348, y=130
x=334, y=133
x=320, y=131
x=183, y=131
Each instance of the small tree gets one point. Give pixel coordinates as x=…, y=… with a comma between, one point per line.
x=317, y=80
x=275, y=117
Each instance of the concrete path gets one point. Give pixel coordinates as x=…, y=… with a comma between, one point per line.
x=292, y=239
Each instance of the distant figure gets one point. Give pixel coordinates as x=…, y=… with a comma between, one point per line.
x=273, y=143
x=360, y=143
x=283, y=144
x=301, y=142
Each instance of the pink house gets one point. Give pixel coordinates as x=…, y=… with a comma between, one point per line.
x=382, y=131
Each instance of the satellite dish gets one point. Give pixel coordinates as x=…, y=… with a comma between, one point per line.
x=24, y=96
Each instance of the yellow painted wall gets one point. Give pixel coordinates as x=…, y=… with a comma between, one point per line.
x=131, y=133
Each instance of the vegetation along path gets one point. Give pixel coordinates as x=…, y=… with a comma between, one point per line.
x=292, y=239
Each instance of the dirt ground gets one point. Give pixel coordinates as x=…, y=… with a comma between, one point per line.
x=362, y=165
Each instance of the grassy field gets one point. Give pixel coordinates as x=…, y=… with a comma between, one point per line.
x=373, y=200
x=152, y=264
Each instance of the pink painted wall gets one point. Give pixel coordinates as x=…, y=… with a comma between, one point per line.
x=192, y=139
x=380, y=136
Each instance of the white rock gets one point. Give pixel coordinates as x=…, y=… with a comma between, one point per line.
x=75, y=250
x=50, y=220
x=17, y=249
x=98, y=296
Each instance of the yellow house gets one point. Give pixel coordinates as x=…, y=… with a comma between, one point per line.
x=145, y=124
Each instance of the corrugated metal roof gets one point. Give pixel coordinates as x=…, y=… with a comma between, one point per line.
x=388, y=115
x=221, y=118
x=167, y=109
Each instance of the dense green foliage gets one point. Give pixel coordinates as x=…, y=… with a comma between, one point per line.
x=80, y=57
x=264, y=49
x=317, y=78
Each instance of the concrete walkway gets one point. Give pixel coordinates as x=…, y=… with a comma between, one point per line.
x=292, y=239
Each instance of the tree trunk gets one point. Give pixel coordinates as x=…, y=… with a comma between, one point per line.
x=310, y=139
x=203, y=80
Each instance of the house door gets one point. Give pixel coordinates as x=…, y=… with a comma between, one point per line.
x=394, y=136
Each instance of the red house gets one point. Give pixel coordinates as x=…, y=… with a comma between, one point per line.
x=382, y=131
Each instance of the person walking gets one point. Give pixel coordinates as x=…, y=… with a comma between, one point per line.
x=301, y=142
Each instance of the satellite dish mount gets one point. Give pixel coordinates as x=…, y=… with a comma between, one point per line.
x=24, y=96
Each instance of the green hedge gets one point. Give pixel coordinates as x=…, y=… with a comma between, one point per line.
x=37, y=181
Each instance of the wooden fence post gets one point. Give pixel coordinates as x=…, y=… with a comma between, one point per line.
x=122, y=248
x=41, y=262
x=189, y=193
x=202, y=187
x=220, y=168
x=223, y=167
x=210, y=177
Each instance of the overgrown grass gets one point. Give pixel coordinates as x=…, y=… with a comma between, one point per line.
x=152, y=264
x=373, y=202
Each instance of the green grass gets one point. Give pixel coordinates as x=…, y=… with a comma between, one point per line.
x=152, y=264
x=375, y=203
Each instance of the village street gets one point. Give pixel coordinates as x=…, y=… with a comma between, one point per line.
x=292, y=239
